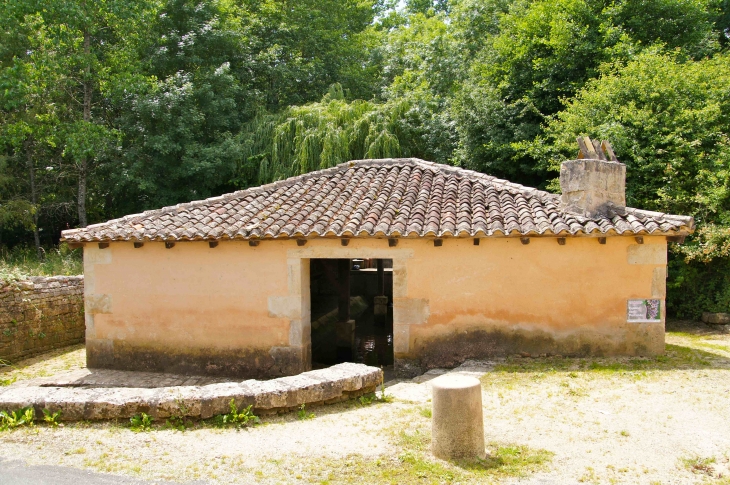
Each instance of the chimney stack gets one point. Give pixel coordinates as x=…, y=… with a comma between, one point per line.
x=595, y=182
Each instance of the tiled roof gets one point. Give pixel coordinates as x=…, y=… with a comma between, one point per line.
x=378, y=198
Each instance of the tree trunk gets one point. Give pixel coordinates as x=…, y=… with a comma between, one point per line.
x=82, y=193
x=87, y=118
x=33, y=200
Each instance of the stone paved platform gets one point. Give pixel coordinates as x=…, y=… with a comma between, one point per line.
x=418, y=389
x=120, y=378
x=323, y=386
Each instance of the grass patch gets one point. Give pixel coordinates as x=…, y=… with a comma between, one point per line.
x=416, y=467
x=44, y=365
x=700, y=465
x=675, y=357
x=413, y=463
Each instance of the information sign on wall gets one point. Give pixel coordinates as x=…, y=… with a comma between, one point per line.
x=644, y=311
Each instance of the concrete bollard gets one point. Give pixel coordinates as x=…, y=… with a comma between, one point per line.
x=457, y=426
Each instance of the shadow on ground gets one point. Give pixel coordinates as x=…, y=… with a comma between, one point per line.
x=691, y=345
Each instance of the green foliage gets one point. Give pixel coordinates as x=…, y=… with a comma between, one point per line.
x=669, y=119
x=21, y=263
x=6, y=363
x=151, y=103
x=422, y=69
x=179, y=420
x=238, y=419
x=544, y=51
x=321, y=135
x=303, y=414
x=52, y=419
x=700, y=465
x=384, y=397
x=17, y=418
x=315, y=43
x=140, y=422
x=8, y=381
x=15, y=210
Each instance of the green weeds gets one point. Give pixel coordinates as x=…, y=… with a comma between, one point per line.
x=179, y=421
x=699, y=465
x=21, y=263
x=141, y=422
x=17, y=418
x=511, y=460
x=238, y=419
x=52, y=419
x=8, y=381
x=303, y=414
x=413, y=465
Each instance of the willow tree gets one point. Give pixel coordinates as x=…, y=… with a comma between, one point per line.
x=321, y=135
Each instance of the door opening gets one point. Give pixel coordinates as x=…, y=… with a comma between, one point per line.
x=352, y=311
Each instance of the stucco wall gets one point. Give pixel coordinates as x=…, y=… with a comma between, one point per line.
x=502, y=297
x=40, y=314
x=191, y=308
x=242, y=310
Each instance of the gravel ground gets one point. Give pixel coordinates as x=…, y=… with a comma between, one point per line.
x=647, y=421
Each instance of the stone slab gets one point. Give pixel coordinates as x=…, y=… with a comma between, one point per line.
x=333, y=384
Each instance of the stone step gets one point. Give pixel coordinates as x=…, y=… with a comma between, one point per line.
x=333, y=384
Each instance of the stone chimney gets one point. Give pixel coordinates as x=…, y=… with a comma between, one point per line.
x=595, y=182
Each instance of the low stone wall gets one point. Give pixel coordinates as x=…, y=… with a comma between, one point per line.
x=716, y=318
x=324, y=386
x=40, y=314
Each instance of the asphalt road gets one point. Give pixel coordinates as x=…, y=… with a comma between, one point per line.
x=17, y=472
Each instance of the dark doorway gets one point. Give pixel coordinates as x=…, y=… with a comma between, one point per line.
x=352, y=311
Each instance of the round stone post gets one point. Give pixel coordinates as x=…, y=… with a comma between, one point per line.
x=457, y=426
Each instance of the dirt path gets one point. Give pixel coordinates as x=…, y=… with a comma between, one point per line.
x=648, y=421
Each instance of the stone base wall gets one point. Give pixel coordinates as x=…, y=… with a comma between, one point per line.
x=249, y=363
x=40, y=314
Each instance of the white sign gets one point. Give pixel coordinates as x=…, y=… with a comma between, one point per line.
x=644, y=311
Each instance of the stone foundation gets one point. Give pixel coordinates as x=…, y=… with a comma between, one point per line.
x=249, y=363
x=40, y=314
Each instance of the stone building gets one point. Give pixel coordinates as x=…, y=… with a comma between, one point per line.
x=480, y=267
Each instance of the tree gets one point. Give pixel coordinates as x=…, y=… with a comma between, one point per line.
x=94, y=36
x=179, y=123
x=535, y=54
x=30, y=118
x=301, y=47
x=669, y=120
x=87, y=40
x=15, y=209
x=321, y=135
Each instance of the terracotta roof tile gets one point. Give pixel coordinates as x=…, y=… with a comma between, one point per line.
x=378, y=198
